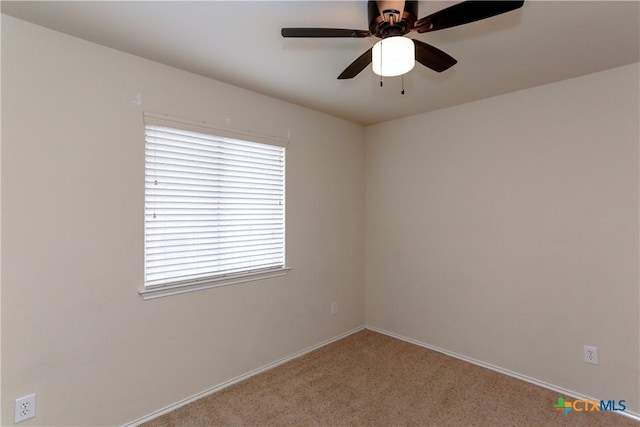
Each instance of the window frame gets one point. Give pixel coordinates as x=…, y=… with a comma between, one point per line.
x=161, y=290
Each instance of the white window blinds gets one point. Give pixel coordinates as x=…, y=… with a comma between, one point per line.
x=214, y=205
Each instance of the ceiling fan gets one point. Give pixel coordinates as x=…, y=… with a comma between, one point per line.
x=396, y=18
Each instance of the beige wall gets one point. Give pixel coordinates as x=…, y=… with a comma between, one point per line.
x=74, y=329
x=506, y=230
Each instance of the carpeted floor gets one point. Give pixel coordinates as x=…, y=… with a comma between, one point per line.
x=369, y=379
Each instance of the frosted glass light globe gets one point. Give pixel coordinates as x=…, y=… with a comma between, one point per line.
x=393, y=56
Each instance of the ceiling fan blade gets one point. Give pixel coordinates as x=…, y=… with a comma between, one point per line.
x=323, y=32
x=356, y=66
x=464, y=13
x=432, y=57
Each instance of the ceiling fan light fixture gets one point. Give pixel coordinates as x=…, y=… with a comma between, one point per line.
x=393, y=56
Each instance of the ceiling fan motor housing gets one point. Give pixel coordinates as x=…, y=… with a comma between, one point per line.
x=391, y=18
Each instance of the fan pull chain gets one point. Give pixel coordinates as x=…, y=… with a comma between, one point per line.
x=380, y=64
x=402, y=92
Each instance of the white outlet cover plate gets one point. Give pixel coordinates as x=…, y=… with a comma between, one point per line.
x=334, y=307
x=591, y=354
x=24, y=408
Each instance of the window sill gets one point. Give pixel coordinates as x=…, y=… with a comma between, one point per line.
x=168, y=290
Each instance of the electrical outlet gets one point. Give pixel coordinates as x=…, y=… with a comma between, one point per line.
x=591, y=354
x=334, y=308
x=25, y=408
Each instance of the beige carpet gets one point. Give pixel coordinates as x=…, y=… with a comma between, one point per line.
x=369, y=379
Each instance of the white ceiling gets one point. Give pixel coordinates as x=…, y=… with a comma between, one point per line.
x=239, y=42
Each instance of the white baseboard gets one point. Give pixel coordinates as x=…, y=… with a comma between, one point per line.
x=237, y=379
x=513, y=374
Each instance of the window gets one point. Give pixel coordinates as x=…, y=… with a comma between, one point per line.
x=214, y=207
